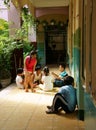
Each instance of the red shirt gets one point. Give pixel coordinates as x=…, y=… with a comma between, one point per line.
x=30, y=63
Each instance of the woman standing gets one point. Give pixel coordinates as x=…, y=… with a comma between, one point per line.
x=29, y=67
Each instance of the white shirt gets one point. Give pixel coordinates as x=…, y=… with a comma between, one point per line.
x=37, y=77
x=48, y=84
x=18, y=81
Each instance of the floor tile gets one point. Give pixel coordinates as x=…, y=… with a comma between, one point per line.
x=26, y=111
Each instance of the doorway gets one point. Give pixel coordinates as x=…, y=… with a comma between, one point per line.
x=55, y=44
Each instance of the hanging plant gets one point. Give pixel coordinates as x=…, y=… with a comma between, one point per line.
x=27, y=22
x=37, y=22
x=44, y=23
x=60, y=23
x=53, y=22
x=7, y=3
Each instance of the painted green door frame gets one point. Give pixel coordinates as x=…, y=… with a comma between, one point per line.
x=41, y=47
x=76, y=66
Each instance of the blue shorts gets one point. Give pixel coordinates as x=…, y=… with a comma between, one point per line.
x=58, y=83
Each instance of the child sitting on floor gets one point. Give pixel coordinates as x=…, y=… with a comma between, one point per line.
x=20, y=78
x=37, y=75
x=47, y=83
x=65, y=99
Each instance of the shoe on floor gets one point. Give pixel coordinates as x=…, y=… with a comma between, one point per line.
x=49, y=107
x=50, y=111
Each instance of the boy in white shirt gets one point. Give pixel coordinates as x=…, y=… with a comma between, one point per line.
x=19, y=78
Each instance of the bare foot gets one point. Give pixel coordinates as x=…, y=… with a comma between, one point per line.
x=33, y=90
x=34, y=85
x=26, y=90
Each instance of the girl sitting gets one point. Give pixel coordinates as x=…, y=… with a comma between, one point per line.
x=46, y=80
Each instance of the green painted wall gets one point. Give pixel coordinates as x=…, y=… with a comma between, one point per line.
x=41, y=47
x=76, y=69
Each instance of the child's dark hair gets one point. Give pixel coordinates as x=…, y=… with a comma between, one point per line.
x=33, y=52
x=46, y=70
x=63, y=65
x=38, y=67
x=68, y=80
x=19, y=70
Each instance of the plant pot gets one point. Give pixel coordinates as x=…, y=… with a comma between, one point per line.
x=5, y=82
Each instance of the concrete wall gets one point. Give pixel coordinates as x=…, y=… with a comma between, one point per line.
x=14, y=19
x=75, y=44
x=90, y=46
x=3, y=11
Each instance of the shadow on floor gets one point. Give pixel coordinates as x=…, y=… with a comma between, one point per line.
x=68, y=115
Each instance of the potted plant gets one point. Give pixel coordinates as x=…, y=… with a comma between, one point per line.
x=7, y=46
x=4, y=63
x=4, y=66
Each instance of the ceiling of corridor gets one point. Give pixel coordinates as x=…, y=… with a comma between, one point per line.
x=50, y=3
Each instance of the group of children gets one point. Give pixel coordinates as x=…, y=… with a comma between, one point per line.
x=34, y=76
x=65, y=99
x=42, y=78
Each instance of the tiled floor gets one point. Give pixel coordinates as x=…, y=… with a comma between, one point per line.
x=90, y=112
x=26, y=111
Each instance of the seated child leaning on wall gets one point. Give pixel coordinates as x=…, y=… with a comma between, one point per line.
x=65, y=99
x=20, y=78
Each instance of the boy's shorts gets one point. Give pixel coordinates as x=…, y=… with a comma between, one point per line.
x=58, y=83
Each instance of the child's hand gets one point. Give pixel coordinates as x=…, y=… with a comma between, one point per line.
x=55, y=75
x=52, y=73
